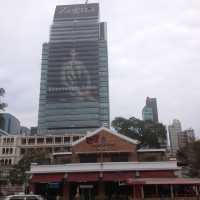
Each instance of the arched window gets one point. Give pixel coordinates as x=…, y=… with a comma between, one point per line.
x=1, y=162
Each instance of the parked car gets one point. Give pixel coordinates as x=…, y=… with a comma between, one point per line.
x=24, y=197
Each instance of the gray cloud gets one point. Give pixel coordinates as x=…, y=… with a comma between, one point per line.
x=153, y=51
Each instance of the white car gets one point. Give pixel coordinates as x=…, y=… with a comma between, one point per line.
x=24, y=197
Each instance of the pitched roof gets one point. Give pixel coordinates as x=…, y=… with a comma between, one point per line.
x=89, y=134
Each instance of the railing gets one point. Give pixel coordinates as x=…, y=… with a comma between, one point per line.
x=153, y=198
x=175, y=198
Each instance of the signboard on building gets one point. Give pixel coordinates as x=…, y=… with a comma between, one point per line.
x=78, y=10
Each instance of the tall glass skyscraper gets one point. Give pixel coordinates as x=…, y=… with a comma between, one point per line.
x=74, y=94
x=150, y=110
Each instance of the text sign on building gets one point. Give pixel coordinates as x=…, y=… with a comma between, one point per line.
x=81, y=10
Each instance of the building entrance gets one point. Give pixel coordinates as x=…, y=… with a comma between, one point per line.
x=87, y=192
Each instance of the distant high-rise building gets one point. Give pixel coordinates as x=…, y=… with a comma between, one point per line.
x=34, y=130
x=186, y=137
x=24, y=130
x=147, y=113
x=9, y=123
x=74, y=78
x=150, y=111
x=174, y=129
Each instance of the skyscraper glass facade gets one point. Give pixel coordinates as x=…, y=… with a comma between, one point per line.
x=152, y=103
x=9, y=123
x=74, y=78
x=147, y=113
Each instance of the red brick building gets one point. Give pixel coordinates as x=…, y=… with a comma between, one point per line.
x=107, y=165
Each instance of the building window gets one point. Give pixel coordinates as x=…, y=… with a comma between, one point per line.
x=2, y=162
x=10, y=162
x=119, y=157
x=24, y=141
x=40, y=140
x=4, y=140
x=88, y=158
x=22, y=151
x=58, y=140
x=49, y=140
x=6, y=162
x=31, y=141
x=66, y=139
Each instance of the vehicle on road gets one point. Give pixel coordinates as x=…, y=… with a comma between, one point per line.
x=24, y=197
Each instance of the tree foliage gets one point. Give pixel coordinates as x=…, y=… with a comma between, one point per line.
x=18, y=173
x=1, y=175
x=150, y=134
x=189, y=157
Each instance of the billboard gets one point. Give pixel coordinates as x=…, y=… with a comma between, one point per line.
x=73, y=72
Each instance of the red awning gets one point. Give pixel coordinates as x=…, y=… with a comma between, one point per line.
x=47, y=178
x=83, y=177
x=117, y=176
x=134, y=181
x=170, y=181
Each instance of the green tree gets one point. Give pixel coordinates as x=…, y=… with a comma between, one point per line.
x=189, y=158
x=1, y=176
x=18, y=173
x=150, y=134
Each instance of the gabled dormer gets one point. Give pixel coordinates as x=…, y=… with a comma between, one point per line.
x=104, y=145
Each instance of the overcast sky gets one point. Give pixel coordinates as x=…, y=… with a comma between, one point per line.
x=154, y=50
